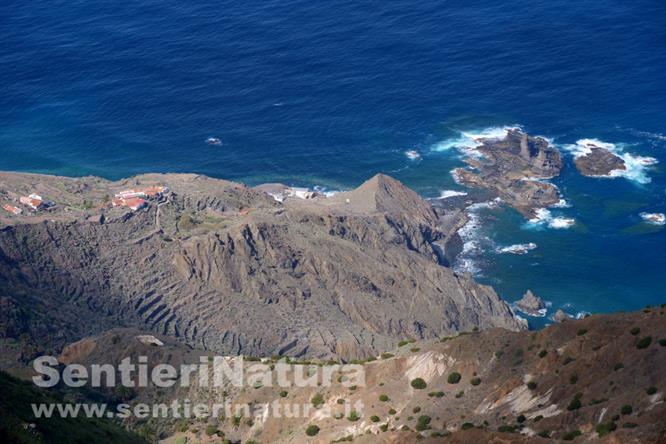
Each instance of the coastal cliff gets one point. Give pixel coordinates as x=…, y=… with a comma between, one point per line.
x=227, y=268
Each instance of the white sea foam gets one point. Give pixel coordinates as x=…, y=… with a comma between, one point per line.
x=654, y=218
x=517, y=248
x=413, y=155
x=466, y=142
x=540, y=313
x=636, y=166
x=545, y=217
x=475, y=242
x=324, y=191
x=561, y=204
x=445, y=194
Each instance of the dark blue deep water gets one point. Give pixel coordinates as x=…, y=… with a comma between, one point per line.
x=330, y=92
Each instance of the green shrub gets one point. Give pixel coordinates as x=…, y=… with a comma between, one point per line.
x=418, y=383
x=383, y=427
x=570, y=436
x=543, y=353
x=605, y=428
x=662, y=342
x=618, y=366
x=340, y=401
x=544, y=434
x=475, y=381
x=467, y=426
x=392, y=412
x=387, y=355
x=507, y=429
x=403, y=343
x=182, y=426
x=626, y=409
x=538, y=418
x=312, y=430
x=598, y=401
x=651, y=390
x=416, y=409
x=568, y=360
x=353, y=416
x=581, y=332
x=532, y=385
x=422, y=423
x=317, y=400
x=283, y=394
x=453, y=378
x=629, y=425
x=460, y=394
x=521, y=419
x=383, y=398
x=575, y=403
x=634, y=331
x=436, y=394
x=374, y=418
x=573, y=379
x=211, y=430
x=644, y=342
x=415, y=349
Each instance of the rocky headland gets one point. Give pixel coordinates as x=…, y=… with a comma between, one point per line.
x=230, y=269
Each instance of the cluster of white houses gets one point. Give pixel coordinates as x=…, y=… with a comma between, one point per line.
x=136, y=199
x=32, y=201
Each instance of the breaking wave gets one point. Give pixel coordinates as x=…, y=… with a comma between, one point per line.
x=517, y=248
x=544, y=217
x=445, y=194
x=466, y=142
x=475, y=241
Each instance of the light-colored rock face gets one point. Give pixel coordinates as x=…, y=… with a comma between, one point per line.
x=530, y=303
x=227, y=268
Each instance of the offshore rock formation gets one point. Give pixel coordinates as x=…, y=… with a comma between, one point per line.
x=531, y=304
x=227, y=268
x=511, y=168
x=599, y=162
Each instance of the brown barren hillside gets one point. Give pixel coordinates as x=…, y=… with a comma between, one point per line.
x=226, y=268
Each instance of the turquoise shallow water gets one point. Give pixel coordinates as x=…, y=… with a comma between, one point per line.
x=329, y=93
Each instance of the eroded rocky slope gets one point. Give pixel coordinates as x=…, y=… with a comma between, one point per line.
x=227, y=268
x=600, y=379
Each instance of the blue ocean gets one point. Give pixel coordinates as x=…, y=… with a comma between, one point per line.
x=329, y=93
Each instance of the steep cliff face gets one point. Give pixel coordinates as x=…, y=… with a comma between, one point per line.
x=226, y=268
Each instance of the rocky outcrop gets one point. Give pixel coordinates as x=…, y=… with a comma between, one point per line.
x=531, y=304
x=227, y=268
x=561, y=316
x=599, y=162
x=512, y=168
